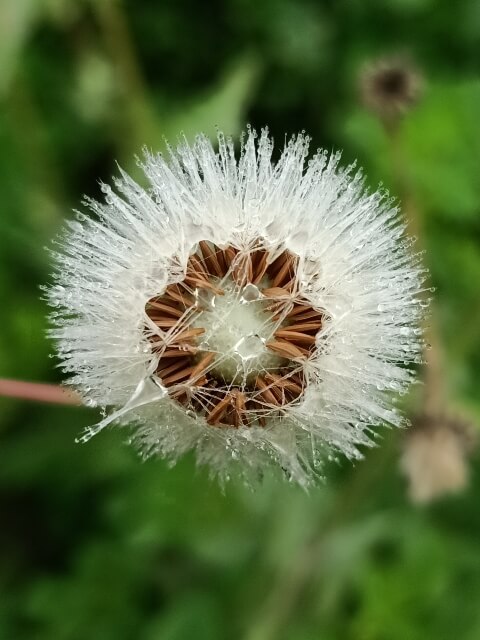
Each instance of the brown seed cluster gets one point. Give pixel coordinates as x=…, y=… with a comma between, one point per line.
x=188, y=371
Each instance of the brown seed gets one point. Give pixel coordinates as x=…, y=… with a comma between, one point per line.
x=203, y=364
x=277, y=391
x=180, y=395
x=260, y=266
x=278, y=308
x=166, y=308
x=173, y=353
x=200, y=382
x=304, y=326
x=278, y=263
x=173, y=291
x=201, y=283
x=221, y=260
x=162, y=321
x=239, y=407
x=285, y=382
x=217, y=412
x=257, y=409
x=242, y=271
x=297, y=377
x=265, y=391
x=298, y=309
x=306, y=315
x=189, y=334
x=164, y=372
x=186, y=347
x=211, y=260
x=295, y=336
x=179, y=375
x=284, y=273
x=286, y=349
x=186, y=389
x=275, y=292
x=196, y=266
x=229, y=255
x=230, y=417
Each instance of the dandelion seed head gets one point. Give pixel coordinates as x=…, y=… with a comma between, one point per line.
x=261, y=313
x=389, y=87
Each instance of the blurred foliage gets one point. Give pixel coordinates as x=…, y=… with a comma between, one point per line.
x=95, y=544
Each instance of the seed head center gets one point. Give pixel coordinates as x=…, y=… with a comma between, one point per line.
x=234, y=334
x=237, y=328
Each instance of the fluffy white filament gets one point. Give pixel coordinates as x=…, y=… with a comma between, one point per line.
x=355, y=262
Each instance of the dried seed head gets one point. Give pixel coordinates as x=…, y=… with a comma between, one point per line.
x=389, y=87
x=435, y=456
x=256, y=311
x=248, y=330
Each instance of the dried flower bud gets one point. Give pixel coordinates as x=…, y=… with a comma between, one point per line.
x=435, y=457
x=390, y=87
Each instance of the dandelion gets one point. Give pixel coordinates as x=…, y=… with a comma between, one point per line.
x=389, y=87
x=262, y=313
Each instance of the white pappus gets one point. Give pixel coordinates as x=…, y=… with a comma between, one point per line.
x=260, y=312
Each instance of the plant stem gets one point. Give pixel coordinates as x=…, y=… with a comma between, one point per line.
x=38, y=392
x=434, y=372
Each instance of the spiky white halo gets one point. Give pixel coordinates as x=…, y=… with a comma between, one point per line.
x=354, y=262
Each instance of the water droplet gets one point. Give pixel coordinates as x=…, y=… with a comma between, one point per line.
x=249, y=293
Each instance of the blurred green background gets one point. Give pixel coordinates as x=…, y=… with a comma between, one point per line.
x=96, y=544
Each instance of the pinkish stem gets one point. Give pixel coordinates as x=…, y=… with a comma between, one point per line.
x=38, y=392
